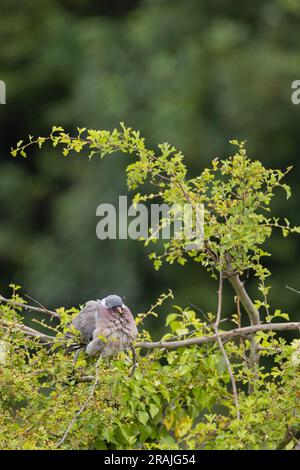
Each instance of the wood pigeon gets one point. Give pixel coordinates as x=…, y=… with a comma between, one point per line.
x=107, y=326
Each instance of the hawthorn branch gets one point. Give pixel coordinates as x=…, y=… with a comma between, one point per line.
x=247, y=303
x=221, y=346
x=41, y=309
x=252, y=312
x=29, y=332
x=225, y=336
x=197, y=340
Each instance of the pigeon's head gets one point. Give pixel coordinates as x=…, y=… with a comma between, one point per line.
x=114, y=302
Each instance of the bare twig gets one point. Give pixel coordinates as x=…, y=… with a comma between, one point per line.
x=253, y=314
x=294, y=290
x=134, y=359
x=238, y=309
x=271, y=348
x=220, y=300
x=85, y=404
x=227, y=362
x=239, y=324
x=45, y=309
x=13, y=303
x=199, y=310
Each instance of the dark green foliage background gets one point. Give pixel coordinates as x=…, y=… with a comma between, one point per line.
x=193, y=73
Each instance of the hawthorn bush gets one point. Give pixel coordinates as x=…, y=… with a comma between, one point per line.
x=200, y=386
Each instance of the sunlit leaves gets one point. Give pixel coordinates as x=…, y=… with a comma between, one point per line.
x=179, y=398
x=236, y=193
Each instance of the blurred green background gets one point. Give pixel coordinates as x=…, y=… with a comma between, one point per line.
x=194, y=73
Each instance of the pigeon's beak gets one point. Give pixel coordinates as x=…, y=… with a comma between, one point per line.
x=120, y=310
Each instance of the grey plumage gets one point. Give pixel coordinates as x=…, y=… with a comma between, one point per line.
x=112, y=301
x=106, y=326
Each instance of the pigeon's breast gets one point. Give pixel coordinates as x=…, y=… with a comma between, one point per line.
x=117, y=332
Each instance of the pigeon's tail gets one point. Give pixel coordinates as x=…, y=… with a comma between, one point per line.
x=75, y=346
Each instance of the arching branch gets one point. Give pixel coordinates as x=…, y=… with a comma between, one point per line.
x=225, y=335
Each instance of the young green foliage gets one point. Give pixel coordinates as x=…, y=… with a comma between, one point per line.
x=236, y=193
x=179, y=398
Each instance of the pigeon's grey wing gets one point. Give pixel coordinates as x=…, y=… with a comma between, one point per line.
x=86, y=322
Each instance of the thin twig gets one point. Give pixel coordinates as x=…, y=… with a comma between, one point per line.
x=29, y=307
x=199, y=310
x=228, y=365
x=294, y=290
x=134, y=359
x=241, y=292
x=220, y=299
x=254, y=317
x=45, y=309
x=85, y=404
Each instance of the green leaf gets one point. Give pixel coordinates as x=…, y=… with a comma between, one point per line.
x=143, y=417
x=170, y=318
x=153, y=410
